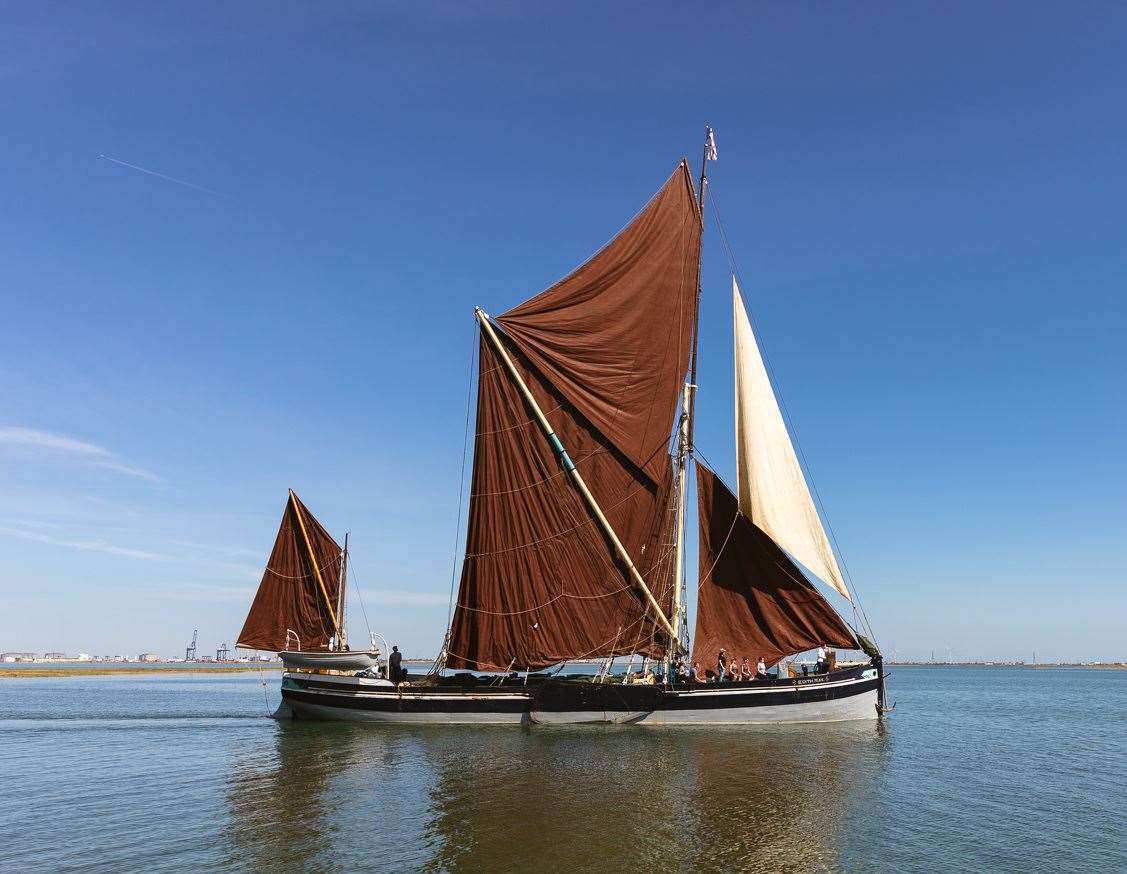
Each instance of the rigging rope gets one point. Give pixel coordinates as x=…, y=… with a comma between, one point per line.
x=858, y=610
x=461, y=483
x=354, y=586
x=582, y=523
x=626, y=588
x=600, y=649
x=270, y=570
x=560, y=473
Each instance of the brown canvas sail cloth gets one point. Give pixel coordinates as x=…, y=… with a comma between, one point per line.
x=753, y=600
x=603, y=352
x=614, y=336
x=289, y=597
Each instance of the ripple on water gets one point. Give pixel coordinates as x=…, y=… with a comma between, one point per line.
x=978, y=770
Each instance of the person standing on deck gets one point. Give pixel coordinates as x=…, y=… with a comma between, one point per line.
x=721, y=666
x=823, y=659
x=394, y=663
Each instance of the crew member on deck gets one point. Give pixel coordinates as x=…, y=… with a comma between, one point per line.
x=745, y=669
x=394, y=663
x=823, y=659
x=698, y=677
x=721, y=666
x=761, y=670
x=734, y=670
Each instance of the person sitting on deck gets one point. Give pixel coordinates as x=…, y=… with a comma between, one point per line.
x=697, y=676
x=761, y=670
x=734, y=670
x=683, y=671
x=721, y=666
x=745, y=669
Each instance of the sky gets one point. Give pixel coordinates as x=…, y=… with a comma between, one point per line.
x=240, y=247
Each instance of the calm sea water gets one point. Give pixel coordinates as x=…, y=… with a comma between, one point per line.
x=979, y=769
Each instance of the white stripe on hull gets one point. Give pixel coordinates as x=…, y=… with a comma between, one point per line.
x=304, y=710
x=863, y=706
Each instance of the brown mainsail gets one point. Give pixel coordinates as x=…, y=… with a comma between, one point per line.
x=753, y=600
x=613, y=338
x=603, y=353
x=299, y=587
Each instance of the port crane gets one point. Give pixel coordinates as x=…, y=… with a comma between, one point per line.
x=190, y=652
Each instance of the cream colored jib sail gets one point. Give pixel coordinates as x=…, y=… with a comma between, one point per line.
x=772, y=490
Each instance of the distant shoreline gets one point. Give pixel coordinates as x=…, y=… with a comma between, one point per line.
x=1103, y=666
x=38, y=673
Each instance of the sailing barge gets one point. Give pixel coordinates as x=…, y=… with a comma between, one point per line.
x=576, y=528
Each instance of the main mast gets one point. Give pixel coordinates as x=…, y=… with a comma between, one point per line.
x=685, y=425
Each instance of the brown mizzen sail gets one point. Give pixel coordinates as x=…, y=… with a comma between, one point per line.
x=299, y=587
x=603, y=352
x=753, y=600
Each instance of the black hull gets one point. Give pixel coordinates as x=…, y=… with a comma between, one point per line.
x=843, y=695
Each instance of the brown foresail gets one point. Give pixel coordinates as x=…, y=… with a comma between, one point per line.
x=290, y=596
x=613, y=338
x=753, y=600
x=540, y=583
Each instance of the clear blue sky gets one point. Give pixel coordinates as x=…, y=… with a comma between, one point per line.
x=925, y=199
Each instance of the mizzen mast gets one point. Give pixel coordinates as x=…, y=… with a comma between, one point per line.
x=342, y=584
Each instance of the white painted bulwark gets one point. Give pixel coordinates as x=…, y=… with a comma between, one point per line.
x=855, y=707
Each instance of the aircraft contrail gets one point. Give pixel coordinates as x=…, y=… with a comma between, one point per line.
x=163, y=176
